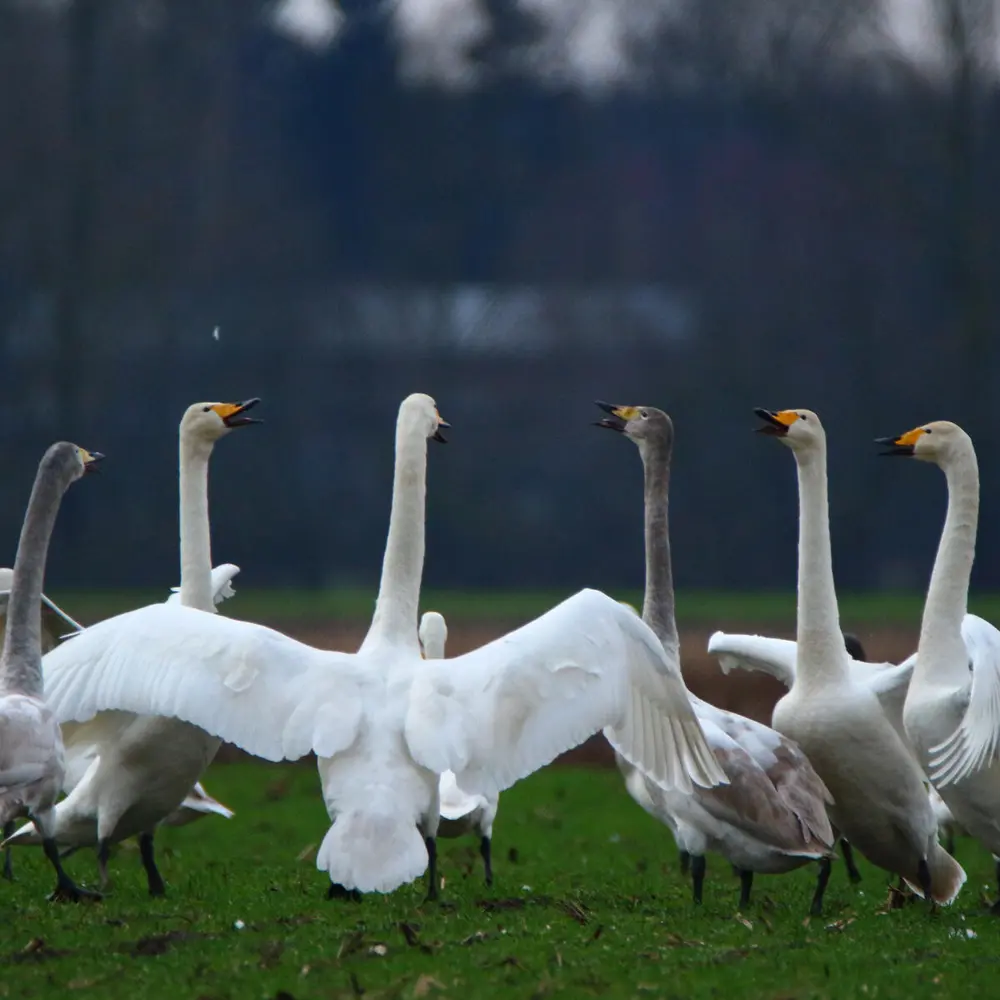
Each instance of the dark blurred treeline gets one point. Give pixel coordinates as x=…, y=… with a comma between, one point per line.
x=774, y=206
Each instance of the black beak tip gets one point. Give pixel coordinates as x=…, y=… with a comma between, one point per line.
x=607, y=407
x=439, y=437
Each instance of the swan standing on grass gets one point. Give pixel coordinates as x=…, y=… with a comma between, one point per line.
x=58, y=626
x=384, y=722
x=880, y=802
x=771, y=817
x=31, y=746
x=460, y=813
x=952, y=712
x=887, y=681
x=130, y=769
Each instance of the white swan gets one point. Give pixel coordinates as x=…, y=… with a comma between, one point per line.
x=58, y=626
x=880, y=803
x=130, y=770
x=460, y=813
x=952, y=711
x=385, y=723
x=771, y=817
x=31, y=746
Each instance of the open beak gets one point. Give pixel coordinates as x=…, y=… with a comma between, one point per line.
x=437, y=435
x=91, y=460
x=614, y=422
x=773, y=426
x=234, y=414
x=901, y=444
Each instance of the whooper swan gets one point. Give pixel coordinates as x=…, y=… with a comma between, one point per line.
x=385, y=723
x=952, y=711
x=880, y=802
x=31, y=746
x=460, y=813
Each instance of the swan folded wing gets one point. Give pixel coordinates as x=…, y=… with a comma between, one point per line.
x=774, y=792
x=976, y=742
x=755, y=652
x=501, y=712
x=270, y=695
x=83, y=742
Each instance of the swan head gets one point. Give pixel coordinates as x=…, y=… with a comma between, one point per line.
x=69, y=461
x=207, y=422
x=642, y=424
x=433, y=634
x=420, y=410
x=933, y=442
x=799, y=428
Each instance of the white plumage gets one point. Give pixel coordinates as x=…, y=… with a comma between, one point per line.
x=384, y=722
x=461, y=813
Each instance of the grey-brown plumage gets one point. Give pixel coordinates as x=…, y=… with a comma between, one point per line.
x=31, y=747
x=771, y=817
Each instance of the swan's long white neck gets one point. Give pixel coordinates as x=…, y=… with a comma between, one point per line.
x=942, y=655
x=21, y=659
x=821, y=656
x=196, y=542
x=395, y=618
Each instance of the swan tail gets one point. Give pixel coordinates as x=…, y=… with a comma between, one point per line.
x=947, y=876
x=374, y=849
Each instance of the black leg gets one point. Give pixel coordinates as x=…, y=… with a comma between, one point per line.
x=155, y=880
x=685, y=859
x=8, y=867
x=746, y=884
x=924, y=874
x=996, y=867
x=852, y=869
x=484, y=850
x=103, y=855
x=337, y=891
x=66, y=890
x=697, y=875
x=949, y=842
x=432, y=880
x=825, y=865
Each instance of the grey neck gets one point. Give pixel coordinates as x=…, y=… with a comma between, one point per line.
x=21, y=659
x=658, y=600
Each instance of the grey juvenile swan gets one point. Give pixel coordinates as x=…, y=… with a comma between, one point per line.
x=771, y=817
x=31, y=746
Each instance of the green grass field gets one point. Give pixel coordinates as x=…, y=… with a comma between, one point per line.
x=694, y=607
x=588, y=902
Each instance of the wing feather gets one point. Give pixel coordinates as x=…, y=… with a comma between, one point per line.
x=250, y=685
x=975, y=744
x=501, y=712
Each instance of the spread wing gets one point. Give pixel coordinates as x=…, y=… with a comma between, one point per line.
x=250, y=685
x=501, y=712
x=974, y=744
